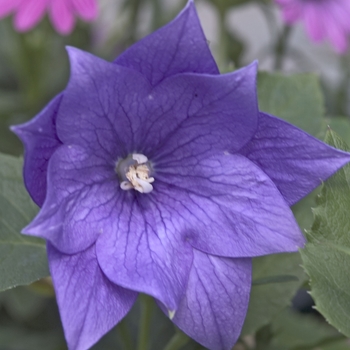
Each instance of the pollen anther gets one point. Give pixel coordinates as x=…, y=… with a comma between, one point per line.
x=136, y=173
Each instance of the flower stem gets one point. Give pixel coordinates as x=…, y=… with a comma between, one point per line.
x=157, y=12
x=224, y=42
x=145, y=322
x=134, y=14
x=177, y=341
x=281, y=47
x=125, y=336
x=342, y=96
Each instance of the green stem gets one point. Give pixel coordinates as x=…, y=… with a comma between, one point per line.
x=157, y=14
x=125, y=336
x=29, y=63
x=267, y=11
x=145, y=322
x=281, y=47
x=134, y=14
x=344, y=87
x=177, y=341
x=224, y=42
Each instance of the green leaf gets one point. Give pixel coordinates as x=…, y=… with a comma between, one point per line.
x=343, y=344
x=326, y=258
x=328, y=266
x=19, y=338
x=23, y=303
x=341, y=125
x=267, y=300
x=297, y=99
x=291, y=330
x=23, y=258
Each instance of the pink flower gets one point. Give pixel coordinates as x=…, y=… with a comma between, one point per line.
x=29, y=12
x=322, y=19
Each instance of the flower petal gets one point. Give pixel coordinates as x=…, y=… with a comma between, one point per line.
x=204, y=113
x=8, y=6
x=149, y=254
x=313, y=22
x=225, y=205
x=101, y=108
x=178, y=47
x=295, y=161
x=86, y=9
x=62, y=17
x=40, y=141
x=216, y=301
x=336, y=33
x=114, y=110
x=81, y=198
x=90, y=305
x=29, y=13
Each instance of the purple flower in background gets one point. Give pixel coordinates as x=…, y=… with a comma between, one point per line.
x=62, y=12
x=322, y=19
x=156, y=174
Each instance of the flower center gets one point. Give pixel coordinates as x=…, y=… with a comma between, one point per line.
x=134, y=173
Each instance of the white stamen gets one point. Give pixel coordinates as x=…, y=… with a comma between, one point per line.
x=126, y=185
x=140, y=158
x=144, y=186
x=137, y=175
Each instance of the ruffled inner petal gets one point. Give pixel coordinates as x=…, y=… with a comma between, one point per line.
x=40, y=142
x=171, y=50
x=83, y=192
x=90, y=305
x=295, y=161
x=216, y=300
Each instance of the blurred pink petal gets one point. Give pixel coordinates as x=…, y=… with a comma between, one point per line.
x=61, y=16
x=314, y=23
x=29, y=13
x=7, y=6
x=86, y=9
x=62, y=13
x=323, y=19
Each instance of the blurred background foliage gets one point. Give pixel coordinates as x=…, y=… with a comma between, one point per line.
x=304, y=84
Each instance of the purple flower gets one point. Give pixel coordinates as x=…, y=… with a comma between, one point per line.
x=155, y=174
x=29, y=12
x=322, y=19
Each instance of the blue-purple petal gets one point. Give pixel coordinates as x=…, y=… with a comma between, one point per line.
x=293, y=159
x=40, y=142
x=80, y=204
x=178, y=47
x=226, y=206
x=102, y=109
x=216, y=300
x=146, y=251
x=90, y=304
x=112, y=110
x=203, y=113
